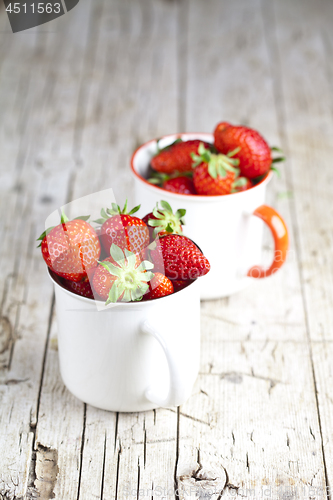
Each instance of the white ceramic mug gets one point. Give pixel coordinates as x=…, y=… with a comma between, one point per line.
x=223, y=226
x=131, y=356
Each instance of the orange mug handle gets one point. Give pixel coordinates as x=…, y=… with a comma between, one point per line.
x=280, y=234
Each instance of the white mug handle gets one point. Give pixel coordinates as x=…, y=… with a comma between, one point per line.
x=177, y=390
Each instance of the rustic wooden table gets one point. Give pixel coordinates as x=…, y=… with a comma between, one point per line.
x=77, y=96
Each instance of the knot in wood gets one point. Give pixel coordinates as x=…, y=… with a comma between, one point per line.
x=201, y=482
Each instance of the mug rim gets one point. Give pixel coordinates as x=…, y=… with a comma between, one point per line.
x=190, y=197
x=116, y=304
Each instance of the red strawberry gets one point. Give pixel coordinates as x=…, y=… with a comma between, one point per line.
x=176, y=157
x=208, y=185
x=180, y=284
x=159, y=286
x=254, y=155
x=179, y=257
x=120, y=228
x=71, y=248
x=181, y=185
x=82, y=287
x=122, y=276
x=163, y=221
x=214, y=174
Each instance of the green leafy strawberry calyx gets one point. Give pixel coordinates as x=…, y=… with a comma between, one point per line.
x=115, y=210
x=132, y=282
x=218, y=164
x=166, y=220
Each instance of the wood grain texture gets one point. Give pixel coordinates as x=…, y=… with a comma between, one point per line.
x=304, y=97
x=77, y=96
x=24, y=321
x=303, y=81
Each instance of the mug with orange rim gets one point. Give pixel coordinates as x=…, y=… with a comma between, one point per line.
x=226, y=227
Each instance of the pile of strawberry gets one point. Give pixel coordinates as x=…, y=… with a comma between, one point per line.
x=125, y=258
x=239, y=158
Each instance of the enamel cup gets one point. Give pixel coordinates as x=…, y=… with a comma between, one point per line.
x=131, y=356
x=227, y=228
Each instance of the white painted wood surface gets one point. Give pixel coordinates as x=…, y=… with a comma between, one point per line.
x=77, y=95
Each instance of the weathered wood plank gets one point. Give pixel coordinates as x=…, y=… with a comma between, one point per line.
x=144, y=456
x=253, y=414
x=27, y=194
x=99, y=437
x=302, y=72
x=59, y=431
x=322, y=357
x=132, y=95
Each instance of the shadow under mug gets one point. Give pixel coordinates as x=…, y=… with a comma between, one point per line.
x=223, y=226
x=131, y=356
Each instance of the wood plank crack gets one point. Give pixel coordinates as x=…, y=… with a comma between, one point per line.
x=269, y=19
x=190, y=417
x=82, y=448
x=103, y=467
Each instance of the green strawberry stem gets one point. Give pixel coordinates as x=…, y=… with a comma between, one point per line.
x=64, y=217
x=131, y=282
